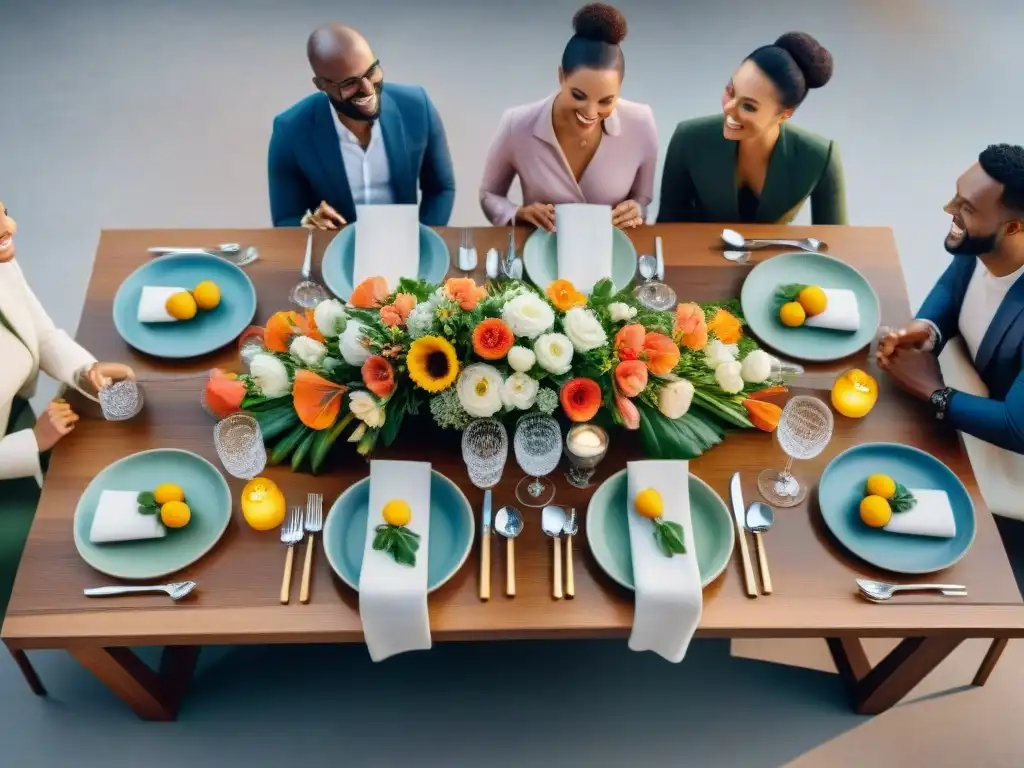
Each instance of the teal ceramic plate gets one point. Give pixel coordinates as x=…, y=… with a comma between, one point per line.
x=540, y=257
x=608, y=529
x=207, y=495
x=758, y=301
x=842, y=487
x=339, y=260
x=208, y=330
x=451, y=531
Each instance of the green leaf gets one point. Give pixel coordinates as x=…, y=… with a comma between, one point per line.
x=403, y=553
x=325, y=440
x=684, y=438
x=903, y=500
x=662, y=544
x=670, y=537
x=396, y=410
x=146, y=499
x=382, y=540
x=729, y=412
x=148, y=509
x=787, y=293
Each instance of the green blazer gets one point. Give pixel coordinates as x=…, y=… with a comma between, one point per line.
x=699, y=180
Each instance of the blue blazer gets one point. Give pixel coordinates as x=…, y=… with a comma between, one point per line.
x=305, y=165
x=999, y=418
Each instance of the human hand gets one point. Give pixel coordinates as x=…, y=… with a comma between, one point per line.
x=916, y=372
x=324, y=217
x=57, y=422
x=541, y=215
x=918, y=335
x=627, y=214
x=101, y=375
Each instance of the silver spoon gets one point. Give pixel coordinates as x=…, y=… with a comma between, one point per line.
x=552, y=521
x=175, y=591
x=308, y=293
x=737, y=257
x=760, y=518
x=648, y=266
x=736, y=241
x=509, y=523
x=880, y=591
x=569, y=529
x=232, y=252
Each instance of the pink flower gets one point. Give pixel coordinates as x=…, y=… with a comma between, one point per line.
x=627, y=411
x=631, y=377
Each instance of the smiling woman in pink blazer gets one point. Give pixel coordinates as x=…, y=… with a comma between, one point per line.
x=581, y=145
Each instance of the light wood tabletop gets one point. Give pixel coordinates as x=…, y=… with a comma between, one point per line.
x=237, y=601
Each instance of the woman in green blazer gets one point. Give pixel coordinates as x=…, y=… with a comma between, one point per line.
x=748, y=164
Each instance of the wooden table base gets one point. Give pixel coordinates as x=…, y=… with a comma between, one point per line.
x=28, y=671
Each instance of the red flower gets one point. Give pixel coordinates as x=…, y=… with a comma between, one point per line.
x=378, y=376
x=581, y=399
x=492, y=339
x=223, y=394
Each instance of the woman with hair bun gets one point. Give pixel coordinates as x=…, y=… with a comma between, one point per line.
x=750, y=164
x=582, y=144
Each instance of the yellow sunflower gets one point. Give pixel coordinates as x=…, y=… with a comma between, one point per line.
x=433, y=364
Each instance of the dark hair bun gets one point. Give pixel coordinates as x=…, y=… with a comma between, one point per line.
x=601, y=22
x=811, y=56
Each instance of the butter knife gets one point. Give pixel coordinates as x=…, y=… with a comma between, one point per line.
x=659, y=258
x=485, y=549
x=739, y=512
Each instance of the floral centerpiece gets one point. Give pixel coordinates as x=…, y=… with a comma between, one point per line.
x=462, y=351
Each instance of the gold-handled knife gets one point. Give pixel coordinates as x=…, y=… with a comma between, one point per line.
x=485, y=549
x=739, y=513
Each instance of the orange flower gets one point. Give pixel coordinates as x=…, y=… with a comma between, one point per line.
x=317, y=400
x=397, y=312
x=726, y=327
x=223, y=394
x=378, y=376
x=696, y=340
x=631, y=377
x=689, y=328
x=661, y=353
x=765, y=416
x=464, y=292
x=370, y=293
x=768, y=394
x=564, y=296
x=581, y=399
x=281, y=328
x=492, y=339
x=628, y=412
x=629, y=341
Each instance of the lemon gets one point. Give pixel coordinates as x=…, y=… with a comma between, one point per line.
x=207, y=295
x=648, y=503
x=813, y=300
x=181, y=306
x=175, y=514
x=875, y=511
x=397, y=512
x=166, y=492
x=792, y=314
x=881, y=485
x=263, y=504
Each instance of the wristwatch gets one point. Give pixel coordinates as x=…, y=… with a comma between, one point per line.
x=939, y=401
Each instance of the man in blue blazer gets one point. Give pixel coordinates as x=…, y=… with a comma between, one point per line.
x=980, y=298
x=356, y=142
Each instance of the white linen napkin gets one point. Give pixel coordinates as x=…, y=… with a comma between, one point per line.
x=118, y=518
x=841, y=313
x=393, y=597
x=669, y=598
x=584, y=239
x=387, y=243
x=153, y=304
x=932, y=515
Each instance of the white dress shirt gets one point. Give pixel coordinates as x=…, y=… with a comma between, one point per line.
x=369, y=176
x=984, y=294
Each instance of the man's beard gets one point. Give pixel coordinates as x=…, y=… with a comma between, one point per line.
x=346, y=108
x=973, y=245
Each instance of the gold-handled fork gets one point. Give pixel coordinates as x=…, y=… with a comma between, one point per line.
x=291, y=534
x=314, y=524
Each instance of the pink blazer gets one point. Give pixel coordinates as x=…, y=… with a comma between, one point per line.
x=622, y=168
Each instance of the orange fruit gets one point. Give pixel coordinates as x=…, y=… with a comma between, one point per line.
x=881, y=485
x=166, y=492
x=175, y=514
x=397, y=512
x=648, y=503
x=875, y=511
x=792, y=314
x=181, y=306
x=813, y=300
x=207, y=295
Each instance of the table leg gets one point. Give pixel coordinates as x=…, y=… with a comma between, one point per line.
x=151, y=695
x=989, y=662
x=28, y=671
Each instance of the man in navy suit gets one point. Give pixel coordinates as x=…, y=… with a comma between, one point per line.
x=356, y=142
x=979, y=298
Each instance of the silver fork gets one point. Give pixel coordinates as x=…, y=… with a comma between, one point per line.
x=314, y=524
x=291, y=534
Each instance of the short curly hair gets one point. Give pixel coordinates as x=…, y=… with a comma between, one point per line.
x=1005, y=164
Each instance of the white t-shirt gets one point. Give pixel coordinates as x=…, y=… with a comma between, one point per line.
x=984, y=294
x=368, y=172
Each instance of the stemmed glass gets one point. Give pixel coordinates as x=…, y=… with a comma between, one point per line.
x=485, y=450
x=538, y=447
x=804, y=430
x=239, y=444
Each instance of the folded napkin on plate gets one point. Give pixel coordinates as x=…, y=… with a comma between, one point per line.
x=387, y=243
x=118, y=518
x=584, y=239
x=668, y=589
x=393, y=597
x=841, y=313
x=932, y=515
x=153, y=304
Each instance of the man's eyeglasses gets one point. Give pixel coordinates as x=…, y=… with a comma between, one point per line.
x=351, y=85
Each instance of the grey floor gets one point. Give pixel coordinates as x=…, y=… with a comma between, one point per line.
x=147, y=113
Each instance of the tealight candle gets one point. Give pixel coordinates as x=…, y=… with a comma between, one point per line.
x=854, y=394
x=585, y=445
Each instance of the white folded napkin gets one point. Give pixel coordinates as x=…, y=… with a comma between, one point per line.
x=153, y=304
x=118, y=518
x=393, y=597
x=387, y=243
x=932, y=515
x=584, y=239
x=669, y=598
x=841, y=314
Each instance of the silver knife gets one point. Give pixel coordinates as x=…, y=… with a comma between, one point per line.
x=485, y=549
x=659, y=258
x=739, y=512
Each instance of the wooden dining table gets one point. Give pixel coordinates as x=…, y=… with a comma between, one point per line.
x=237, y=600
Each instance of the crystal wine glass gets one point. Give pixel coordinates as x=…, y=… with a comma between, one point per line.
x=804, y=430
x=538, y=447
x=239, y=444
x=485, y=450
x=585, y=446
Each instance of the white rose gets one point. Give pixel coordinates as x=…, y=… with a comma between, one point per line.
x=307, y=351
x=330, y=318
x=717, y=353
x=365, y=408
x=351, y=344
x=729, y=377
x=675, y=398
x=479, y=390
x=554, y=353
x=528, y=315
x=521, y=359
x=584, y=329
x=270, y=375
x=421, y=319
x=757, y=366
x=621, y=312
x=520, y=391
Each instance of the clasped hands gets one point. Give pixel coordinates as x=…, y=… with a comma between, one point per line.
x=625, y=215
x=905, y=354
x=60, y=419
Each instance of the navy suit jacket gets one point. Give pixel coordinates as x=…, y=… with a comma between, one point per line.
x=305, y=165
x=999, y=418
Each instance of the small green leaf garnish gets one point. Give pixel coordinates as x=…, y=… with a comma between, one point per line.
x=903, y=500
x=670, y=537
x=787, y=293
x=397, y=541
x=147, y=503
